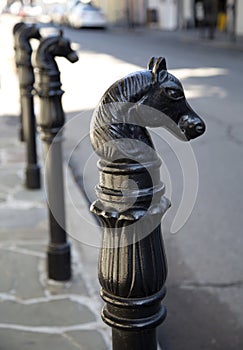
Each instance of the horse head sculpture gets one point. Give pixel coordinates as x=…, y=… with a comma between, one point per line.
x=23, y=32
x=48, y=82
x=51, y=47
x=147, y=98
x=130, y=197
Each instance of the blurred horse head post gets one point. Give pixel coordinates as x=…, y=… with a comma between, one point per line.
x=23, y=33
x=50, y=122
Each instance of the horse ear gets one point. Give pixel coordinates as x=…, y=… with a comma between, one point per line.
x=151, y=63
x=160, y=64
x=157, y=64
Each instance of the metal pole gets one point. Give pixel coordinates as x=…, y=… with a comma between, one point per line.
x=16, y=28
x=233, y=7
x=23, y=33
x=131, y=201
x=132, y=264
x=50, y=122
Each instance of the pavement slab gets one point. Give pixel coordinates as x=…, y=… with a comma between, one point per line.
x=47, y=312
x=10, y=218
x=18, y=266
x=85, y=338
x=18, y=339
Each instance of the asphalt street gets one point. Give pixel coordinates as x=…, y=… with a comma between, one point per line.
x=205, y=282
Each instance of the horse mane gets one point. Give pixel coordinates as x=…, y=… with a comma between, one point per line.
x=129, y=88
x=116, y=125
x=116, y=101
x=44, y=57
x=111, y=118
x=23, y=33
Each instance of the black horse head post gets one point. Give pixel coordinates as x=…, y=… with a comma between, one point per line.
x=17, y=28
x=23, y=33
x=131, y=201
x=50, y=122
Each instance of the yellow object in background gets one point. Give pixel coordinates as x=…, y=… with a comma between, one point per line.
x=221, y=21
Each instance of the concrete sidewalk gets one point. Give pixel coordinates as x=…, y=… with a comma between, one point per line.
x=37, y=313
x=220, y=41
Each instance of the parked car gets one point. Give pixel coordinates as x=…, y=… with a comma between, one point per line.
x=18, y=9
x=83, y=15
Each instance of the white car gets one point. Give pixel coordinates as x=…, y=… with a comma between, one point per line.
x=24, y=10
x=83, y=15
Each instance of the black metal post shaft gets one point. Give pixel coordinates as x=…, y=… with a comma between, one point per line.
x=50, y=121
x=23, y=33
x=16, y=28
x=58, y=254
x=131, y=202
x=132, y=264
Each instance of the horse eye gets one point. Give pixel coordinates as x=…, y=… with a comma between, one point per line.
x=174, y=93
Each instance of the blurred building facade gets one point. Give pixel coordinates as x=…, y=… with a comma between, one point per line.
x=227, y=15
x=124, y=12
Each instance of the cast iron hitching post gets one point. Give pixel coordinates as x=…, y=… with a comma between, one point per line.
x=131, y=202
x=23, y=32
x=50, y=121
x=16, y=28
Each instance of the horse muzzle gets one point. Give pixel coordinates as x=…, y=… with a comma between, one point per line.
x=72, y=57
x=192, y=126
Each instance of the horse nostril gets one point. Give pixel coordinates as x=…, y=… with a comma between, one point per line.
x=199, y=128
x=72, y=57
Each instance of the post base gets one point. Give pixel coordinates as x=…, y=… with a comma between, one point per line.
x=33, y=178
x=134, y=320
x=142, y=339
x=59, y=262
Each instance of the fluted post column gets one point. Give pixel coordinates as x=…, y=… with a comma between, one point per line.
x=132, y=263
